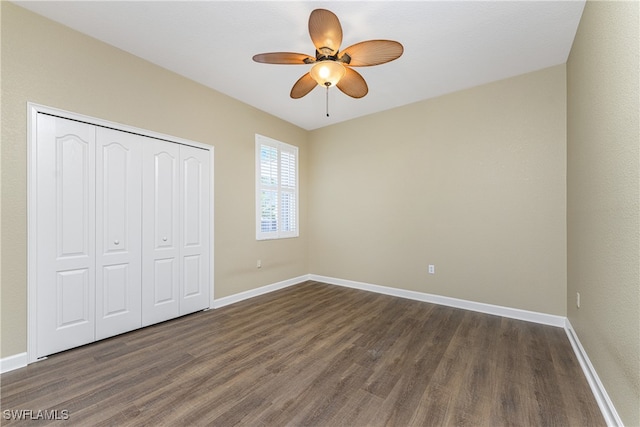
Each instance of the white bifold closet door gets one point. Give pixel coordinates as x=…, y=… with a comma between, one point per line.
x=65, y=233
x=195, y=229
x=118, y=231
x=122, y=232
x=175, y=264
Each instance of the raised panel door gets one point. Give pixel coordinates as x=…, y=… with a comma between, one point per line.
x=195, y=225
x=160, y=231
x=65, y=234
x=118, y=237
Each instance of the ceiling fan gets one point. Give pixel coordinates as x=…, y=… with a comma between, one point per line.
x=332, y=67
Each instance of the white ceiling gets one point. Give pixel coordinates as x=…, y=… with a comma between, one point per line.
x=449, y=45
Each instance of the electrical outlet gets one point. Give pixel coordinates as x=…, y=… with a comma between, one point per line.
x=432, y=269
x=259, y=264
x=578, y=299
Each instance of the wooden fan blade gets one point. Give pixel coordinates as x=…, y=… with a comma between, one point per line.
x=373, y=52
x=353, y=84
x=325, y=31
x=303, y=86
x=287, y=58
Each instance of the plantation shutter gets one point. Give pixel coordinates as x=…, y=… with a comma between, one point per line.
x=288, y=190
x=276, y=189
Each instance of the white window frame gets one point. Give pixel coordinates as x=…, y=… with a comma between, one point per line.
x=279, y=188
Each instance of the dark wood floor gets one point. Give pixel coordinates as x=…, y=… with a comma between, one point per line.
x=316, y=355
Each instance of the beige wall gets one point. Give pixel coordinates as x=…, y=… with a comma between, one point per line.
x=472, y=182
x=1, y=115
x=49, y=64
x=603, y=185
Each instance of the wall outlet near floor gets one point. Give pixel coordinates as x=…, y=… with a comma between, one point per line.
x=432, y=269
x=259, y=264
x=578, y=299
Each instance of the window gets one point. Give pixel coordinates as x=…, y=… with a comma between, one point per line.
x=276, y=189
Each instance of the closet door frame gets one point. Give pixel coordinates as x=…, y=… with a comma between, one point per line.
x=33, y=110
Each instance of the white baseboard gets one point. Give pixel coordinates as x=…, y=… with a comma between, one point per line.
x=221, y=302
x=13, y=362
x=20, y=360
x=513, y=313
x=604, y=402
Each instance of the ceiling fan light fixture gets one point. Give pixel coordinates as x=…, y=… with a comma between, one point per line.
x=327, y=73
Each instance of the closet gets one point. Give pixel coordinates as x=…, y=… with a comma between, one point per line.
x=121, y=231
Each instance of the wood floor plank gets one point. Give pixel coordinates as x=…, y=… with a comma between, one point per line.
x=469, y=403
x=315, y=355
x=576, y=399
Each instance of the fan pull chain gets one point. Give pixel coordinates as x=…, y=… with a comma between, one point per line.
x=327, y=98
